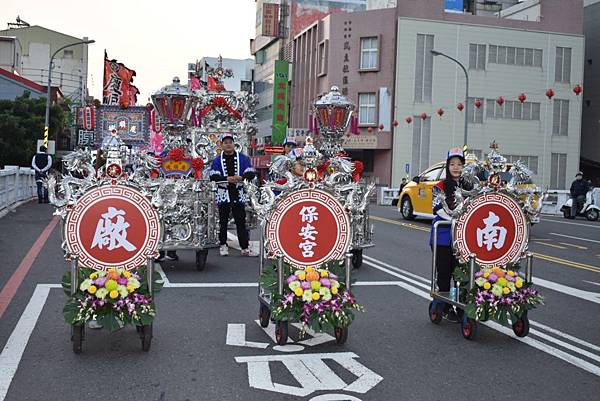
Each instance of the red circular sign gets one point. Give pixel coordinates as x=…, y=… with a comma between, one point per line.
x=308, y=227
x=112, y=226
x=494, y=228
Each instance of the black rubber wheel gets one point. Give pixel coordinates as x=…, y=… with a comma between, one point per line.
x=566, y=213
x=468, y=328
x=281, y=332
x=201, y=259
x=77, y=334
x=435, y=312
x=138, y=329
x=357, y=258
x=592, y=215
x=406, y=208
x=264, y=316
x=341, y=335
x=521, y=326
x=146, y=337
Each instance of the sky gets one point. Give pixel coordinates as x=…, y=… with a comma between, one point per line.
x=154, y=37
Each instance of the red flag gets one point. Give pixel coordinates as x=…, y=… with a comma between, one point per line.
x=117, y=80
x=133, y=92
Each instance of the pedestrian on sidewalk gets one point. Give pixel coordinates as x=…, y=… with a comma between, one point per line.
x=579, y=189
x=41, y=163
x=445, y=261
x=229, y=170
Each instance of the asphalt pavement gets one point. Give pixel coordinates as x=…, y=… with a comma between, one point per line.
x=207, y=345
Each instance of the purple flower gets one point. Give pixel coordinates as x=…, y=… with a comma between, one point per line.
x=478, y=274
x=292, y=278
x=333, y=276
x=122, y=281
x=493, y=278
x=100, y=281
x=510, y=278
x=325, y=282
x=305, y=285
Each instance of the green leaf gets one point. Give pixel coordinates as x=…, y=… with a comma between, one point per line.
x=109, y=321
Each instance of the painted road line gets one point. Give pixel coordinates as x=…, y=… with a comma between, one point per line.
x=236, y=336
x=159, y=269
x=566, y=262
x=576, y=361
x=400, y=223
x=565, y=335
x=574, y=246
x=577, y=238
x=552, y=245
x=570, y=223
x=14, y=282
x=399, y=270
x=591, y=282
x=15, y=346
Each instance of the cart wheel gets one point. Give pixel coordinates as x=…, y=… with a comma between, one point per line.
x=201, y=259
x=146, y=336
x=264, y=315
x=138, y=329
x=341, y=335
x=281, y=332
x=435, y=311
x=521, y=326
x=357, y=258
x=468, y=328
x=77, y=333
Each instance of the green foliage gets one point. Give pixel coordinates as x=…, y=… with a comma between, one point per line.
x=22, y=124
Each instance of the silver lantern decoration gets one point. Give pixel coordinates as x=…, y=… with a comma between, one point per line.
x=333, y=111
x=174, y=103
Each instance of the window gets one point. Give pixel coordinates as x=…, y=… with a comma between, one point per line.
x=420, y=143
x=529, y=161
x=512, y=109
x=558, y=167
x=432, y=175
x=366, y=108
x=423, y=68
x=475, y=114
x=323, y=57
x=562, y=70
x=560, y=120
x=68, y=54
x=477, y=56
x=369, y=53
x=515, y=56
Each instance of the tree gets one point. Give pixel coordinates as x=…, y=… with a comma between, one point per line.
x=22, y=124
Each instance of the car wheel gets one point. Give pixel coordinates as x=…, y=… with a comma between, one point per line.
x=407, y=209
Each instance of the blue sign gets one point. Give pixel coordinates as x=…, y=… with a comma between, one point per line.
x=454, y=5
x=407, y=168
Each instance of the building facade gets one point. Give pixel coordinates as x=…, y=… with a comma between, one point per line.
x=355, y=52
x=70, y=65
x=515, y=60
x=243, y=71
x=11, y=54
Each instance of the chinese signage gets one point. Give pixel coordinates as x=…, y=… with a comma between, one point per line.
x=309, y=227
x=118, y=88
x=131, y=124
x=494, y=228
x=270, y=19
x=280, y=101
x=85, y=138
x=360, y=142
x=112, y=226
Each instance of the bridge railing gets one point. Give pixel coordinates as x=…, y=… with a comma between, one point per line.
x=17, y=184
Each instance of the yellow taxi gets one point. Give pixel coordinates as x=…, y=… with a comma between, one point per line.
x=416, y=197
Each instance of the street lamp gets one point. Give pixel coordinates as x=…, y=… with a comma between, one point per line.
x=47, y=119
x=436, y=53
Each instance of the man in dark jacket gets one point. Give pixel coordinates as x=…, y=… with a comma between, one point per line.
x=41, y=163
x=579, y=188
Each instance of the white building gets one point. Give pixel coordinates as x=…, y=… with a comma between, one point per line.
x=10, y=54
x=70, y=65
x=242, y=71
x=502, y=61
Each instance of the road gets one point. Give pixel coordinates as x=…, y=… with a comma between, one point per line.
x=207, y=345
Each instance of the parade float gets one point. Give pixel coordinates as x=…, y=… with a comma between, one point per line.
x=116, y=219
x=313, y=224
x=490, y=229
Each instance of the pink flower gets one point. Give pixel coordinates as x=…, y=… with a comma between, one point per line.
x=305, y=285
x=325, y=282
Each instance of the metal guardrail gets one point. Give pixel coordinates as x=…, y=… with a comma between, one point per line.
x=16, y=184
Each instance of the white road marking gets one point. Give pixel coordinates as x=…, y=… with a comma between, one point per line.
x=583, y=248
x=570, y=223
x=578, y=238
x=316, y=338
x=236, y=336
x=269, y=330
x=578, y=362
x=334, y=397
x=162, y=273
x=591, y=282
x=15, y=346
x=565, y=335
x=575, y=292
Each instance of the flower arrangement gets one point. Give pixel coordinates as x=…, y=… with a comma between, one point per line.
x=317, y=297
x=112, y=298
x=497, y=294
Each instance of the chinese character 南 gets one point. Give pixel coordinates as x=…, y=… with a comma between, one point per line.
x=491, y=235
x=111, y=233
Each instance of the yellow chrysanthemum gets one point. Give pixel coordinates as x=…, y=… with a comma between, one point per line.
x=299, y=291
x=506, y=290
x=130, y=288
x=316, y=296
x=519, y=283
x=309, y=269
x=511, y=273
x=94, y=275
x=486, y=274
x=302, y=277
x=334, y=290
x=324, y=273
x=487, y=285
x=92, y=289
x=126, y=274
x=114, y=294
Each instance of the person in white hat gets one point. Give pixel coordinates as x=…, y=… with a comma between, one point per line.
x=289, y=144
x=230, y=169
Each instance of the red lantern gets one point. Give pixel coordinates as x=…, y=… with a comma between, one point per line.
x=477, y=103
x=500, y=100
x=577, y=89
x=550, y=94
x=370, y=130
x=440, y=112
x=522, y=98
x=381, y=126
x=423, y=116
x=395, y=123
x=460, y=106
x=408, y=120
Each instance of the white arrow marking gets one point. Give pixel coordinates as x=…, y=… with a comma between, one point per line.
x=317, y=338
x=236, y=336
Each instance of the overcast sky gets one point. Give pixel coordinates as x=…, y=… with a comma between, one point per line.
x=156, y=38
